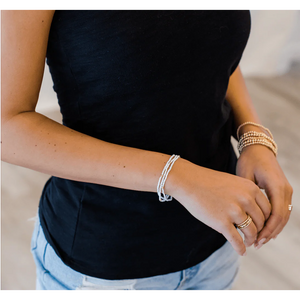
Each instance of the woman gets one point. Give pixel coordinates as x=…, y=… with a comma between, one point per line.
x=136, y=87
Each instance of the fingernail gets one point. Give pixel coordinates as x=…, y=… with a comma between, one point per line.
x=260, y=243
x=275, y=236
x=245, y=253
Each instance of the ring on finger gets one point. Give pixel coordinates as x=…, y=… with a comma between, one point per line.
x=290, y=207
x=244, y=224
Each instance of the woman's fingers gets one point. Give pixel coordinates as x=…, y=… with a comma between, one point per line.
x=258, y=208
x=250, y=234
x=234, y=238
x=257, y=205
x=264, y=204
x=259, y=165
x=280, y=199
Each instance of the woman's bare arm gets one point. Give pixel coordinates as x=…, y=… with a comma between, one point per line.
x=258, y=162
x=239, y=98
x=31, y=140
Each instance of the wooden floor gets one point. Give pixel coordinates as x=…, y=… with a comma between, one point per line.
x=276, y=266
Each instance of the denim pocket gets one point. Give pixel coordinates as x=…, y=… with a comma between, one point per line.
x=92, y=283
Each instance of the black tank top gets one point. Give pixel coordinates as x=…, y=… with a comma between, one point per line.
x=153, y=80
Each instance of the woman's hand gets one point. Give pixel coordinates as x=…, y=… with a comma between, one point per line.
x=259, y=164
x=220, y=200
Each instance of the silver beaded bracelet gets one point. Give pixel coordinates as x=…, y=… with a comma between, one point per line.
x=162, y=179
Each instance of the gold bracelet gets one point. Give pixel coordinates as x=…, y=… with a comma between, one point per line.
x=255, y=124
x=259, y=142
x=252, y=137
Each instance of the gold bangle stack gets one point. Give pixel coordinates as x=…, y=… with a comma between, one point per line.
x=252, y=137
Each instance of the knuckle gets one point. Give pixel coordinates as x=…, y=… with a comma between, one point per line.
x=249, y=204
x=255, y=233
x=253, y=188
x=241, y=249
x=249, y=241
x=246, y=200
x=269, y=208
x=250, y=193
x=260, y=226
x=267, y=231
x=290, y=189
x=285, y=189
x=238, y=245
x=250, y=238
x=236, y=212
x=281, y=186
x=279, y=218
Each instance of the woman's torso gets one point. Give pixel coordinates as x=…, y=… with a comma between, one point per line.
x=153, y=80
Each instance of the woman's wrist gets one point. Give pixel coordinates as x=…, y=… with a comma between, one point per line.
x=251, y=133
x=250, y=127
x=178, y=180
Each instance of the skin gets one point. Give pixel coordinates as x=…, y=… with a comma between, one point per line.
x=258, y=163
x=218, y=199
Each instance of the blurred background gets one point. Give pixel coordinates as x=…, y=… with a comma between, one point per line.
x=271, y=67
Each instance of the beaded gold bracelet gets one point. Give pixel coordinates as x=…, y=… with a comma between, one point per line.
x=255, y=124
x=252, y=137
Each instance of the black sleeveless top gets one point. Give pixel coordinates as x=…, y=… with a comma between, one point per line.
x=153, y=80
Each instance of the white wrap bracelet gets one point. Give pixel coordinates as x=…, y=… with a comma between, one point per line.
x=162, y=179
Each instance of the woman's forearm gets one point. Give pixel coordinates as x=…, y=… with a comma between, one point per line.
x=239, y=98
x=258, y=163
x=32, y=140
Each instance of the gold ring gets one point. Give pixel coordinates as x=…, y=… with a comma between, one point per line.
x=290, y=207
x=244, y=224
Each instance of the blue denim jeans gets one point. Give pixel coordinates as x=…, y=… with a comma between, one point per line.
x=217, y=272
